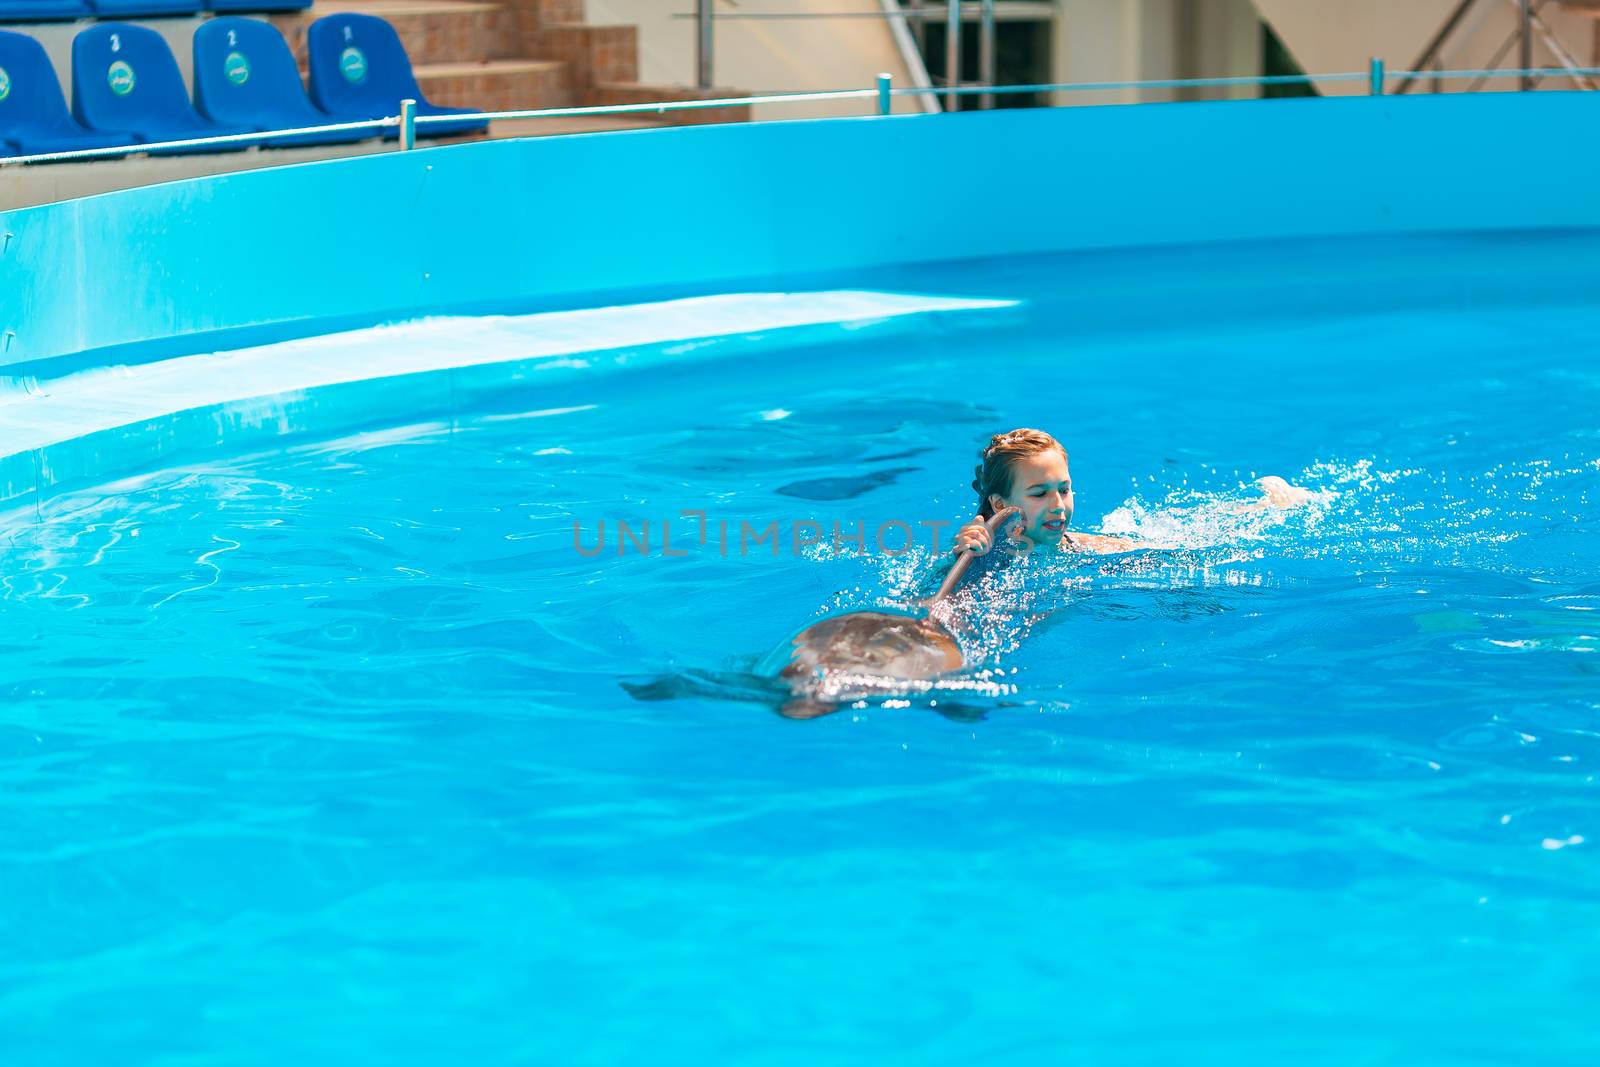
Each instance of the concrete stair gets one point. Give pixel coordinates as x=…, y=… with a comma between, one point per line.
x=604, y=64
x=595, y=53
x=497, y=84
x=433, y=31
x=611, y=93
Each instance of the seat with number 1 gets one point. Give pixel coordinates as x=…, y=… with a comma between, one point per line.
x=359, y=69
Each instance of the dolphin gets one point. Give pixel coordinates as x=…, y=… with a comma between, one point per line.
x=839, y=659
x=865, y=653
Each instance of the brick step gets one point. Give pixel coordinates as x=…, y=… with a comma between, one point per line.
x=609, y=93
x=595, y=53
x=570, y=124
x=497, y=85
x=433, y=31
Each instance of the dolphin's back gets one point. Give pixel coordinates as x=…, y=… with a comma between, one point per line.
x=873, y=643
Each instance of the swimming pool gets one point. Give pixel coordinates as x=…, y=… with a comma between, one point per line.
x=336, y=745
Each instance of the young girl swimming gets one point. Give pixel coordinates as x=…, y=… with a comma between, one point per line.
x=846, y=656
x=1025, y=471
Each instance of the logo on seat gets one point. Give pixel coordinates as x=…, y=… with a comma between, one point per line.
x=5, y=84
x=236, y=68
x=120, y=77
x=353, y=65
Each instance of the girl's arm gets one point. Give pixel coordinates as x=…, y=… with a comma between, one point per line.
x=1102, y=544
x=1277, y=493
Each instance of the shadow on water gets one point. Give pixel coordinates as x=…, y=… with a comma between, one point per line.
x=843, y=488
x=774, y=693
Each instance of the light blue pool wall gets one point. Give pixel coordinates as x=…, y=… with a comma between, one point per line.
x=566, y=222
x=573, y=221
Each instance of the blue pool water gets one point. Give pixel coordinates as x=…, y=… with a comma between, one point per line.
x=338, y=749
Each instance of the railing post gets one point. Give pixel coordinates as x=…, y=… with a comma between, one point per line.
x=986, y=52
x=1525, y=45
x=952, y=55
x=704, y=42
x=885, y=87
x=408, y=125
x=1375, y=76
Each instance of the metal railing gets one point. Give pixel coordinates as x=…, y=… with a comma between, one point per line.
x=244, y=140
x=1529, y=25
x=706, y=18
x=406, y=121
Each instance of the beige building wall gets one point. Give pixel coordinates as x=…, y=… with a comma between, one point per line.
x=1144, y=40
x=1148, y=40
x=1105, y=41
x=771, y=56
x=1091, y=41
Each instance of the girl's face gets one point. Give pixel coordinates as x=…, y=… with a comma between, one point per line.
x=1041, y=486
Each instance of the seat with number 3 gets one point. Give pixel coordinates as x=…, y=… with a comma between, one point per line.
x=33, y=113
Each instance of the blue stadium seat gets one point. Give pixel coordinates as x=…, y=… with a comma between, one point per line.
x=360, y=70
x=245, y=75
x=125, y=78
x=133, y=9
x=33, y=113
x=42, y=10
x=255, y=5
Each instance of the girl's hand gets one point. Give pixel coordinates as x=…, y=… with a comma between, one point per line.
x=1278, y=493
x=977, y=536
